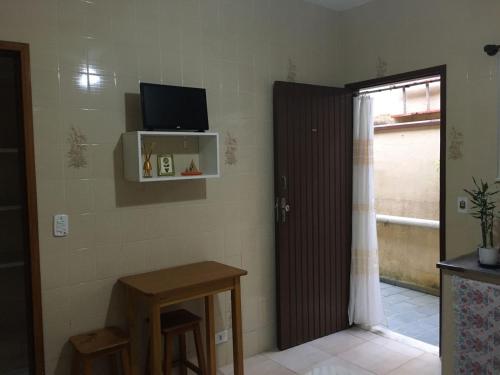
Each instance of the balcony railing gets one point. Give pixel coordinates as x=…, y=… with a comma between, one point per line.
x=410, y=221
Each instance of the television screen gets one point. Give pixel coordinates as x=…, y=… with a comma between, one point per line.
x=173, y=107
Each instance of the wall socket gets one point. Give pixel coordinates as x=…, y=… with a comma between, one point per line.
x=221, y=337
x=463, y=205
x=61, y=225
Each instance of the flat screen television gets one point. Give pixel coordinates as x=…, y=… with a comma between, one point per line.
x=173, y=108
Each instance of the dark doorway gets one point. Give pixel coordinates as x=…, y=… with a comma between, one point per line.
x=21, y=344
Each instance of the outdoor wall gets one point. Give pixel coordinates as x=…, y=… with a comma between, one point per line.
x=395, y=36
x=406, y=164
x=234, y=48
x=408, y=254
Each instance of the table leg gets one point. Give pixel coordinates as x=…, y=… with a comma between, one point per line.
x=113, y=368
x=132, y=328
x=87, y=366
x=155, y=335
x=76, y=364
x=237, y=328
x=210, y=334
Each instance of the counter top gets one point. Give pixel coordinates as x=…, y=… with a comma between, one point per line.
x=468, y=265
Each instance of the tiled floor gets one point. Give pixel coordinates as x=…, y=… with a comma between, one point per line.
x=351, y=352
x=411, y=313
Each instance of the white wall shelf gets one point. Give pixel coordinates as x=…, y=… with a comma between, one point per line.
x=203, y=148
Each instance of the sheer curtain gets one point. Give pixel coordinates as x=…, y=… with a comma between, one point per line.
x=365, y=304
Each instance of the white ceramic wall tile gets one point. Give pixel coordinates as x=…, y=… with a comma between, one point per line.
x=82, y=266
x=107, y=260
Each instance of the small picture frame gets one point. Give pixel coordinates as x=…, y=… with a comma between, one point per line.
x=166, y=165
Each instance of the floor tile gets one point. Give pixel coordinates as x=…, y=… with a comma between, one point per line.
x=398, y=347
x=411, y=316
x=432, y=309
x=395, y=298
x=363, y=334
x=431, y=337
x=259, y=365
x=411, y=313
x=422, y=300
x=299, y=358
x=336, y=365
x=414, y=329
x=400, y=307
x=427, y=364
x=411, y=293
x=432, y=320
x=379, y=353
x=375, y=358
x=337, y=343
x=389, y=291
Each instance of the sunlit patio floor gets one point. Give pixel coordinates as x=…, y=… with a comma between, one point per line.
x=411, y=313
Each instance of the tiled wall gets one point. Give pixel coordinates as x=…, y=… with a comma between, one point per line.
x=234, y=48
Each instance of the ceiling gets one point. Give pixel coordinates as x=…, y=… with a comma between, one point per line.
x=339, y=4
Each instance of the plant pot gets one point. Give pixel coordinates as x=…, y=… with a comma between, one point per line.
x=488, y=256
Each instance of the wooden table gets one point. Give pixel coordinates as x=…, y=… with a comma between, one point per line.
x=179, y=284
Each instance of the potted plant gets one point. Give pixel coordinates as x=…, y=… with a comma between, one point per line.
x=483, y=208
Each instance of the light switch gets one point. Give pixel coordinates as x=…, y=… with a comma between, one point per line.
x=60, y=225
x=463, y=205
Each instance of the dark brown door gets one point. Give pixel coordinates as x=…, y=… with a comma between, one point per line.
x=21, y=341
x=313, y=191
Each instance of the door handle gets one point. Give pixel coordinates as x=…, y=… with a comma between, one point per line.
x=277, y=210
x=285, y=209
x=284, y=183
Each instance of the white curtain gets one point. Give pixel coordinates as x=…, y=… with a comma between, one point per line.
x=365, y=304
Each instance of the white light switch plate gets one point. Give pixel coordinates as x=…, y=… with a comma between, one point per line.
x=221, y=337
x=463, y=205
x=61, y=225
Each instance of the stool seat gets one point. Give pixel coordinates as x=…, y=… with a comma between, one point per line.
x=178, y=319
x=101, y=340
x=108, y=342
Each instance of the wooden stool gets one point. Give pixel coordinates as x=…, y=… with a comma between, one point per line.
x=103, y=342
x=178, y=323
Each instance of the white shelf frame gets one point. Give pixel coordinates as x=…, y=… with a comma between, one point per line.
x=208, y=150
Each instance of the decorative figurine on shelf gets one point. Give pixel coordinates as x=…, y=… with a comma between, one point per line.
x=147, y=167
x=191, y=170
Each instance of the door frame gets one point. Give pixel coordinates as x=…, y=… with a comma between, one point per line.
x=440, y=71
x=35, y=326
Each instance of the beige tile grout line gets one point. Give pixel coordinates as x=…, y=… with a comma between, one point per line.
x=402, y=339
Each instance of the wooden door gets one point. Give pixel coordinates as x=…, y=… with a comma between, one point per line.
x=313, y=195
x=21, y=336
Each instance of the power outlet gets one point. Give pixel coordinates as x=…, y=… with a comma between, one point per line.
x=61, y=226
x=463, y=205
x=221, y=337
